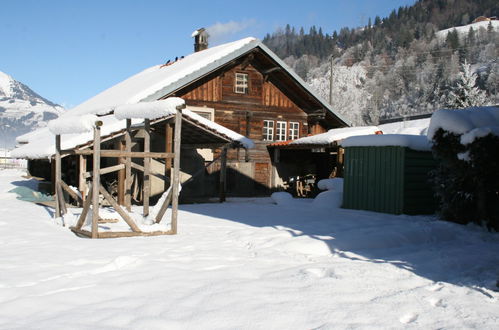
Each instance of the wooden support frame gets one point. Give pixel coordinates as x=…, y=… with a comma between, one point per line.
x=126, y=155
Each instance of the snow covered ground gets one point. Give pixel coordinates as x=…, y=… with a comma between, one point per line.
x=247, y=264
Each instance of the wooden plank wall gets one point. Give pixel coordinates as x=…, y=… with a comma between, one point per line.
x=264, y=101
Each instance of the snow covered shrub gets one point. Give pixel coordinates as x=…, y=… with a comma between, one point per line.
x=466, y=180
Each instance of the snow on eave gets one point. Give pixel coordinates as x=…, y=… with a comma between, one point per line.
x=414, y=142
x=230, y=134
x=461, y=121
x=334, y=135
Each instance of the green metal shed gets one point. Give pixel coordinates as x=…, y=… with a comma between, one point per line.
x=389, y=179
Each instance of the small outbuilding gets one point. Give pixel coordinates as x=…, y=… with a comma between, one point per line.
x=388, y=173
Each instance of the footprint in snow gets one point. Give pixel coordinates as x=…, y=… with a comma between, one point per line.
x=436, y=287
x=408, y=318
x=116, y=264
x=435, y=302
x=320, y=272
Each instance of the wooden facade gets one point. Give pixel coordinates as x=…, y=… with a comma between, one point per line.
x=271, y=95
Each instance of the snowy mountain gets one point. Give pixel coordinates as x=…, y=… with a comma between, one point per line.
x=22, y=110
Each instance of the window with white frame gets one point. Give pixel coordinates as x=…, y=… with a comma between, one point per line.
x=294, y=129
x=268, y=130
x=241, y=85
x=280, y=132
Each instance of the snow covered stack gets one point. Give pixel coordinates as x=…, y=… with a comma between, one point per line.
x=466, y=145
x=332, y=197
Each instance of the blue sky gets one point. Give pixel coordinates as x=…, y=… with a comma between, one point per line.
x=68, y=51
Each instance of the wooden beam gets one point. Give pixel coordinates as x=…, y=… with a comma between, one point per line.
x=118, y=209
x=121, y=175
x=146, y=188
x=176, y=167
x=106, y=170
x=86, y=207
x=58, y=207
x=128, y=166
x=118, y=153
x=169, y=149
x=71, y=193
x=96, y=181
x=164, y=207
x=82, y=182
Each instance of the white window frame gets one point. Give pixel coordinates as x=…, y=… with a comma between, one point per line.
x=241, y=85
x=268, y=130
x=294, y=130
x=281, y=130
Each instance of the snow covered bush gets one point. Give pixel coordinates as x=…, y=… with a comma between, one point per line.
x=466, y=181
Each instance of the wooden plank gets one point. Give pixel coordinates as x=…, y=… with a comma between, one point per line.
x=146, y=188
x=71, y=193
x=60, y=199
x=164, y=207
x=96, y=182
x=106, y=170
x=81, y=232
x=58, y=210
x=176, y=168
x=128, y=166
x=82, y=182
x=86, y=207
x=121, y=175
x=117, y=154
x=118, y=209
x=169, y=149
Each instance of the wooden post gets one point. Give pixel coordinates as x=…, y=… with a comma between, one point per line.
x=121, y=176
x=223, y=174
x=128, y=167
x=176, y=167
x=58, y=206
x=96, y=180
x=147, y=165
x=82, y=181
x=169, y=148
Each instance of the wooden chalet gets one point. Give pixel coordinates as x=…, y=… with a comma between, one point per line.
x=242, y=86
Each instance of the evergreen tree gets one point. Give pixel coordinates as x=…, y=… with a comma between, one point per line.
x=464, y=93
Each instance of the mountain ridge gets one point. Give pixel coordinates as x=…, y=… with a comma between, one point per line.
x=22, y=110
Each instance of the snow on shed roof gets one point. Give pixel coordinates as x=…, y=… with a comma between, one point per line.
x=460, y=121
x=415, y=142
x=43, y=146
x=335, y=134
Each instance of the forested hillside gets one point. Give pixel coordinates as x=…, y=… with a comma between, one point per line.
x=403, y=64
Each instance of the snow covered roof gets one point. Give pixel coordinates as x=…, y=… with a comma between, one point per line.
x=410, y=127
x=158, y=81
x=41, y=145
x=334, y=135
x=415, y=142
x=461, y=121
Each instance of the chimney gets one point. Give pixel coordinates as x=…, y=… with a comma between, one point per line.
x=200, y=39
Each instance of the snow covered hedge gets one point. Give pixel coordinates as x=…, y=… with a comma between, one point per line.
x=466, y=181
